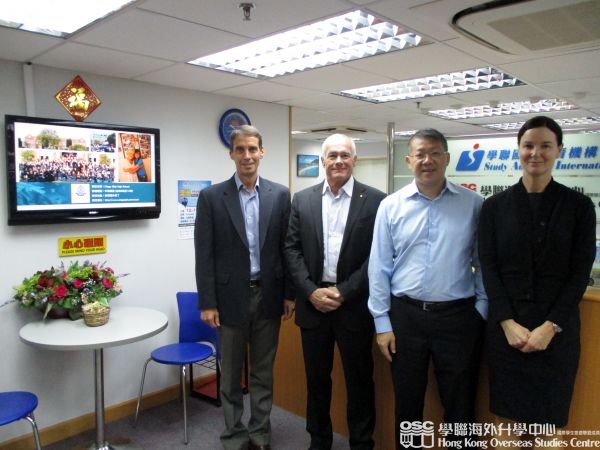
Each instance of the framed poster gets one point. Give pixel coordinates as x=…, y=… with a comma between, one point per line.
x=307, y=165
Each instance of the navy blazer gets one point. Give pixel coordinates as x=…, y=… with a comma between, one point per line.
x=304, y=251
x=223, y=257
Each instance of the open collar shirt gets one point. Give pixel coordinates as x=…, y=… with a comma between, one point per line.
x=335, y=210
x=425, y=249
x=250, y=204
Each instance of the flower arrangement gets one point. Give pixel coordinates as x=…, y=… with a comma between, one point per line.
x=70, y=288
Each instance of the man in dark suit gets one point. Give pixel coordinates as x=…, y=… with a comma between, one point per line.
x=327, y=249
x=241, y=276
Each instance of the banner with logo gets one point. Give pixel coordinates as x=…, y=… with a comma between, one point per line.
x=500, y=156
x=489, y=166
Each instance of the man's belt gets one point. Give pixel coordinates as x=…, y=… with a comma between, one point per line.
x=436, y=306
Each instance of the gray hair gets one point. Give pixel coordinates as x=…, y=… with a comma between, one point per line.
x=336, y=139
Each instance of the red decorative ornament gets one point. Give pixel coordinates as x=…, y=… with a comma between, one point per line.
x=78, y=99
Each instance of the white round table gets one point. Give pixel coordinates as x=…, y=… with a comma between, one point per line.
x=126, y=324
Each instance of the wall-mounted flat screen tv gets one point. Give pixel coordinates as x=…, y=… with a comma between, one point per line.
x=64, y=171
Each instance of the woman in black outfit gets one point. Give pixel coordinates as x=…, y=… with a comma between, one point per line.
x=537, y=247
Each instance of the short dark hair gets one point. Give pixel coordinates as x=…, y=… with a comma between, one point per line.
x=541, y=122
x=430, y=134
x=245, y=130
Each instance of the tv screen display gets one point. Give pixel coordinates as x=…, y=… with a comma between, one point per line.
x=65, y=171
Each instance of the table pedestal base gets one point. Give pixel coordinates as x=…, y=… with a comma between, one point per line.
x=101, y=443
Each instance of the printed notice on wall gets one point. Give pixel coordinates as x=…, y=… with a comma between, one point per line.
x=81, y=245
x=187, y=199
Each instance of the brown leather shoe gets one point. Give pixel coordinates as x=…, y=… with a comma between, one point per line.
x=253, y=446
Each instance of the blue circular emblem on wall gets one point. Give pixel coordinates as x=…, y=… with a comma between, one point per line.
x=230, y=120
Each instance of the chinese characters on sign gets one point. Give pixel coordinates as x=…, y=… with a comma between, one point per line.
x=78, y=99
x=187, y=198
x=487, y=435
x=489, y=166
x=83, y=245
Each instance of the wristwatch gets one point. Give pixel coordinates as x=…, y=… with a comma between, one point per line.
x=556, y=327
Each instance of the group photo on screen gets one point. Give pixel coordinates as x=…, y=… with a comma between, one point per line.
x=53, y=165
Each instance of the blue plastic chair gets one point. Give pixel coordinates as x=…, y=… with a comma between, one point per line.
x=19, y=405
x=197, y=342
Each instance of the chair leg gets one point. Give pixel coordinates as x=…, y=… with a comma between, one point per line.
x=137, y=408
x=184, y=399
x=36, y=436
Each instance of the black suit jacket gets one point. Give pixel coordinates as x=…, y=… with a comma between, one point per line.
x=304, y=252
x=534, y=272
x=222, y=254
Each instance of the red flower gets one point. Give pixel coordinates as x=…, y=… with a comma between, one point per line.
x=50, y=282
x=42, y=281
x=107, y=283
x=77, y=283
x=60, y=291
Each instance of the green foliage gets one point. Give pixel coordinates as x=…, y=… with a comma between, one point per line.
x=69, y=288
x=48, y=139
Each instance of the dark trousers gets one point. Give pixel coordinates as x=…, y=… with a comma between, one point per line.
x=355, y=348
x=260, y=336
x=451, y=336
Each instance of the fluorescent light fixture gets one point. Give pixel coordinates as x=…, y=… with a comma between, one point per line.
x=565, y=123
x=526, y=107
x=446, y=83
x=57, y=17
x=343, y=38
x=299, y=132
x=405, y=133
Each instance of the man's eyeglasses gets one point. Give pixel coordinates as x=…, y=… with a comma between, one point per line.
x=433, y=155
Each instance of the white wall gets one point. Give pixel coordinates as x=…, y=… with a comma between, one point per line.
x=159, y=264
x=367, y=170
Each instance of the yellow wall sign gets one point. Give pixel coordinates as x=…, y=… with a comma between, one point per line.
x=82, y=245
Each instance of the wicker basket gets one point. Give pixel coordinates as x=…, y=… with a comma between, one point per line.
x=96, y=319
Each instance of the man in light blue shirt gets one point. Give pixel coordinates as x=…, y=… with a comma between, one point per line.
x=425, y=288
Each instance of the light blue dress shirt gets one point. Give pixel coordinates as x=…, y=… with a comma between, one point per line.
x=425, y=249
x=250, y=204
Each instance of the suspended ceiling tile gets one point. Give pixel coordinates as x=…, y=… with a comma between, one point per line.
x=268, y=16
x=18, y=45
x=151, y=34
x=334, y=78
x=266, y=91
x=193, y=77
x=432, y=59
x=101, y=61
x=556, y=68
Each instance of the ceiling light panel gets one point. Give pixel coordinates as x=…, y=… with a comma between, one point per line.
x=526, y=107
x=405, y=133
x=447, y=83
x=57, y=17
x=565, y=123
x=347, y=37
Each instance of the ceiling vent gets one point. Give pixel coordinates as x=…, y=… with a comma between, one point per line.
x=527, y=26
x=347, y=130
